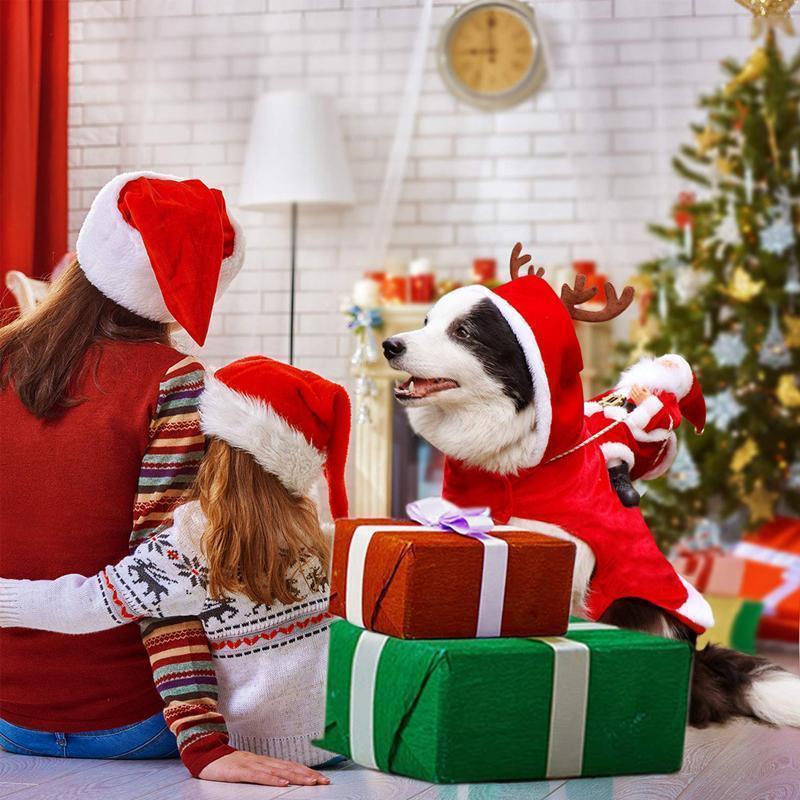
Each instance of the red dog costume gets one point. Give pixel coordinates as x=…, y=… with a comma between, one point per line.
x=566, y=483
x=644, y=438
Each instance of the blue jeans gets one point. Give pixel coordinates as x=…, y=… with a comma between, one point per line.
x=149, y=738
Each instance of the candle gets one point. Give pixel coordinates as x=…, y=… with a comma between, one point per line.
x=366, y=293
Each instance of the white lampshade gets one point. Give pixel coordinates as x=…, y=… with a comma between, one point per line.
x=295, y=154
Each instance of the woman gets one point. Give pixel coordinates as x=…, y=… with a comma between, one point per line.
x=99, y=440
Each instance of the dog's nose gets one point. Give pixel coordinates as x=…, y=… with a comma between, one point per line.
x=394, y=347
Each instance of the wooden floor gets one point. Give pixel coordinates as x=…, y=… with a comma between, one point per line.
x=740, y=761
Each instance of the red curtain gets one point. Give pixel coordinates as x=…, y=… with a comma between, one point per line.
x=34, y=81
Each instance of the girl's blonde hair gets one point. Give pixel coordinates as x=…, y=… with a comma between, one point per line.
x=256, y=527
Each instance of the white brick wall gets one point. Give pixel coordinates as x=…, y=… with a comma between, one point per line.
x=574, y=172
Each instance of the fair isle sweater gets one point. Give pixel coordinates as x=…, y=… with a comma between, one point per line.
x=270, y=660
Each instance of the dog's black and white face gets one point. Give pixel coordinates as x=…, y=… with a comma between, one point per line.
x=470, y=392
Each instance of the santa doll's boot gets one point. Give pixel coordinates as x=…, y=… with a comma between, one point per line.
x=621, y=482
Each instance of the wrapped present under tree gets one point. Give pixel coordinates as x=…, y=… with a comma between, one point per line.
x=598, y=701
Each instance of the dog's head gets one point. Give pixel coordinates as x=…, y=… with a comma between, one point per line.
x=488, y=389
x=470, y=393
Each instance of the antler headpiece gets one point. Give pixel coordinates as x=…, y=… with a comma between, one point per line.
x=575, y=295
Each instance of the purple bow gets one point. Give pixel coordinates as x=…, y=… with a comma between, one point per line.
x=436, y=512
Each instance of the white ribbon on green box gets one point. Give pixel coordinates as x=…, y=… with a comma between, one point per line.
x=570, y=693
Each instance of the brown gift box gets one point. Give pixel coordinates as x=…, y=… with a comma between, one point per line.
x=426, y=584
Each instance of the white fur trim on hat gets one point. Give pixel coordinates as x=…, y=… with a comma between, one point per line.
x=653, y=374
x=251, y=425
x=114, y=259
x=696, y=607
x=541, y=388
x=618, y=451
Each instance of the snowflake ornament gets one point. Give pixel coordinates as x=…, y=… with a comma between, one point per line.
x=683, y=474
x=722, y=409
x=689, y=282
x=777, y=237
x=729, y=349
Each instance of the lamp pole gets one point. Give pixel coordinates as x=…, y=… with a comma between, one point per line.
x=292, y=286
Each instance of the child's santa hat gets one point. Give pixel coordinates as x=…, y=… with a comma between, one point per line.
x=669, y=373
x=294, y=423
x=162, y=247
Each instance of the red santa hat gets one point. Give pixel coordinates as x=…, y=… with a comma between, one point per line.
x=294, y=423
x=669, y=373
x=162, y=247
x=546, y=333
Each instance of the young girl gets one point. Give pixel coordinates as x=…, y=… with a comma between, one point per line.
x=246, y=555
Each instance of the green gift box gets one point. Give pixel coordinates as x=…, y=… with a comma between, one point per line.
x=598, y=701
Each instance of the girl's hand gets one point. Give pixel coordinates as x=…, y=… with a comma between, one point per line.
x=639, y=394
x=242, y=767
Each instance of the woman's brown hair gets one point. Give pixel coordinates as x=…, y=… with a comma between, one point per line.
x=256, y=530
x=42, y=353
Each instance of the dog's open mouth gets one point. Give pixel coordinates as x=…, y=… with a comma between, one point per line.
x=419, y=388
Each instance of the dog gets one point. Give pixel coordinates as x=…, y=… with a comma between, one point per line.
x=471, y=396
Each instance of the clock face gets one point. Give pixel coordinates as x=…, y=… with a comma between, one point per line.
x=489, y=53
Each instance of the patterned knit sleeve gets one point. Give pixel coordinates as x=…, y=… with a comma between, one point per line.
x=178, y=649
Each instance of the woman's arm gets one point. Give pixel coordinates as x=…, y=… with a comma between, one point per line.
x=159, y=579
x=179, y=652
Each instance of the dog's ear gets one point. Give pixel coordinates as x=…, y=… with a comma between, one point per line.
x=572, y=296
x=518, y=260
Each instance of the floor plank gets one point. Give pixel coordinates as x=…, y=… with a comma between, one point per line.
x=192, y=789
x=120, y=780
x=758, y=763
x=352, y=782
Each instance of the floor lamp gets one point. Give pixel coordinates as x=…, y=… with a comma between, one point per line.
x=296, y=157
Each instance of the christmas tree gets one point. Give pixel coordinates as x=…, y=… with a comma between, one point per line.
x=724, y=295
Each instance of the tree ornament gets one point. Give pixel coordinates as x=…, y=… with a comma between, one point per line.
x=729, y=349
x=777, y=237
x=748, y=184
x=793, y=477
x=794, y=164
x=792, y=285
x=742, y=287
x=723, y=408
x=774, y=353
x=727, y=232
x=768, y=14
x=706, y=534
x=792, y=335
x=689, y=282
x=760, y=502
x=787, y=391
x=744, y=454
x=723, y=165
x=752, y=70
x=683, y=475
x=708, y=138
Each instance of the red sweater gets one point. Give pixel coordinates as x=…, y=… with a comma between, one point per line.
x=67, y=494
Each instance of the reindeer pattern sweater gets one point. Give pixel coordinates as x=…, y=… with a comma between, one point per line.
x=270, y=660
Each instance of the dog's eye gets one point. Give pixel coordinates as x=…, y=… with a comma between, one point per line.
x=462, y=332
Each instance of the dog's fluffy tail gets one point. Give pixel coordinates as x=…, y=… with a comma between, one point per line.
x=729, y=684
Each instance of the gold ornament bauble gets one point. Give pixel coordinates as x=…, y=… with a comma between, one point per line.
x=760, y=502
x=792, y=330
x=769, y=14
x=744, y=455
x=787, y=391
x=753, y=68
x=742, y=286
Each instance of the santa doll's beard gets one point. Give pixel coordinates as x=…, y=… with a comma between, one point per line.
x=493, y=436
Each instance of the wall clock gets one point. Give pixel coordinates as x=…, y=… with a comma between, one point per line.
x=490, y=53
